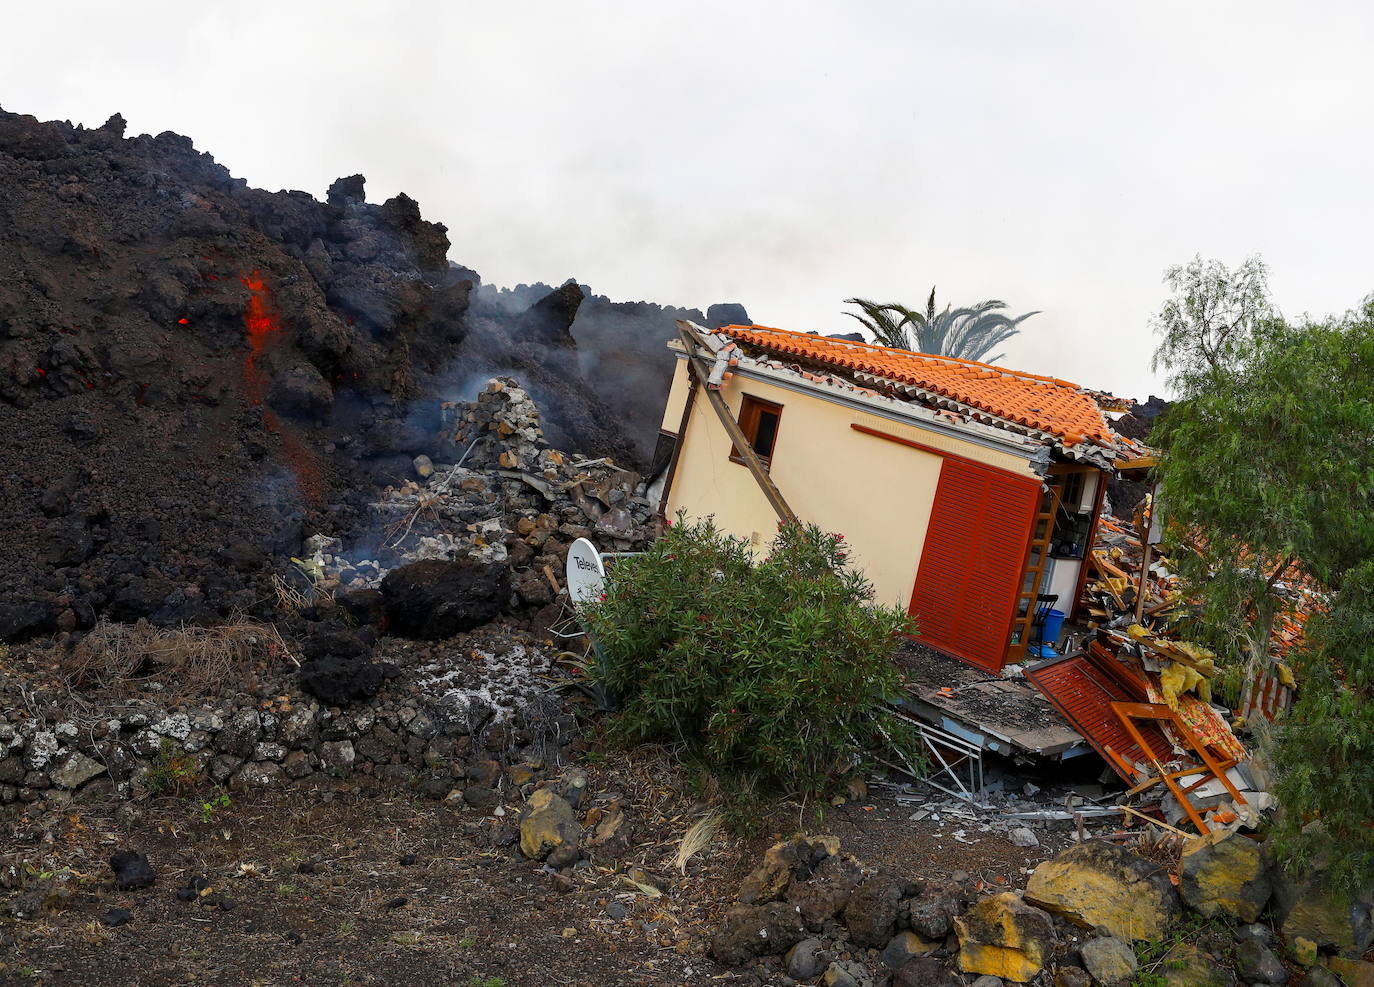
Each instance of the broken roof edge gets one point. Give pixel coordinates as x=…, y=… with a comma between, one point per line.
x=1103, y=451
x=1087, y=451
x=1035, y=451
x=932, y=357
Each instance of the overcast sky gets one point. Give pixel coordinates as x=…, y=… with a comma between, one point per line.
x=1055, y=155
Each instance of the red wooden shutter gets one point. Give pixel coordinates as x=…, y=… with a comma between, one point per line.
x=971, y=566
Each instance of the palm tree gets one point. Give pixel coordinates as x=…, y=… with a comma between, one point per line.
x=964, y=333
x=878, y=319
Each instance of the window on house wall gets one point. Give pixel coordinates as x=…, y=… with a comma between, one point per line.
x=758, y=420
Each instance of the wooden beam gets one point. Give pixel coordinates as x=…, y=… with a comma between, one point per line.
x=1145, y=462
x=678, y=442
x=770, y=490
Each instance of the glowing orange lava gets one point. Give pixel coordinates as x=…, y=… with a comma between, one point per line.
x=264, y=328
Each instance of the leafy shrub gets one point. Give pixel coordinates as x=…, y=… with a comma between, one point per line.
x=772, y=671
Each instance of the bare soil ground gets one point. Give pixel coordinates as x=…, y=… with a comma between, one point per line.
x=335, y=883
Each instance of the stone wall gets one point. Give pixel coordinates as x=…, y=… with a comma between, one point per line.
x=443, y=727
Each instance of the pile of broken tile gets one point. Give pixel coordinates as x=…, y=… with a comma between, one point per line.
x=1178, y=673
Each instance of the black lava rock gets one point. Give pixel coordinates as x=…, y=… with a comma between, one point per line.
x=132, y=870
x=338, y=681
x=436, y=599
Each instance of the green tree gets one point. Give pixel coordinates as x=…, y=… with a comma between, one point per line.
x=1267, y=475
x=968, y=333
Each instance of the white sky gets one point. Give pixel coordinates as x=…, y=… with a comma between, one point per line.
x=786, y=155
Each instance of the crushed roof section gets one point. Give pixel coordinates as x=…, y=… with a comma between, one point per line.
x=1055, y=410
x=731, y=354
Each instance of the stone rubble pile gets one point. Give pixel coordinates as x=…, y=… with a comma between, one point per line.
x=1097, y=914
x=504, y=497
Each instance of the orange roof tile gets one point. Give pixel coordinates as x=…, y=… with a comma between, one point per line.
x=1045, y=404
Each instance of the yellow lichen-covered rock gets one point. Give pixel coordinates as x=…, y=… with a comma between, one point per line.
x=1303, y=950
x=1307, y=906
x=1187, y=966
x=1225, y=874
x=782, y=862
x=1353, y=973
x=1002, y=936
x=1098, y=885
x=547, y=824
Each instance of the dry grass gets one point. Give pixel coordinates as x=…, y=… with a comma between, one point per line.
x=696, y=839
x=289, y=598
x=187, y=660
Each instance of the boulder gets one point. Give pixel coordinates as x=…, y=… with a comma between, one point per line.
x=365, y=606
x=1002, y=936
x=240, y=735
x=825, y=893
x=573, y=786
x=1353, y=973
x=547, y=825
x=1188, y=966
x=1072, y=976
x=75, y=771
x=435, y=598
x=337, y=757
x=931, y=915
x=727, y=314
x=132, y=870
x=301, y=391
x=1307, y=907
x=926, y=971
x=299, y=729
x=548, y=322
x=1110, y=961
x=1224, y=874
x=874, y=908
x=1256, y=963
x=793, y=859
x=846, y=973
x=904, y=947
x=258, y=774
x=1102, y=886
x=804, y=960
x=1320, y=976
x=748, y=931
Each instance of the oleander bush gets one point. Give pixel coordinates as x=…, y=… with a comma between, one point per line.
x=773, y=671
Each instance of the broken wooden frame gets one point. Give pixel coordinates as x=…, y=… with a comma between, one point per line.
x=691, y=341
x=1128, y=713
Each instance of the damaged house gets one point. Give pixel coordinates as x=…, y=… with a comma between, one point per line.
x=968, y=493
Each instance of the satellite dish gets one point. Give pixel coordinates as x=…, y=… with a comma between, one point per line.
x=585, y=573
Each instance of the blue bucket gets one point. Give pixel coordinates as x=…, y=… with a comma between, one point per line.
x=1054, y=623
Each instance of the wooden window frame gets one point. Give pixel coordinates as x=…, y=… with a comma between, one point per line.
x=748, y=419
